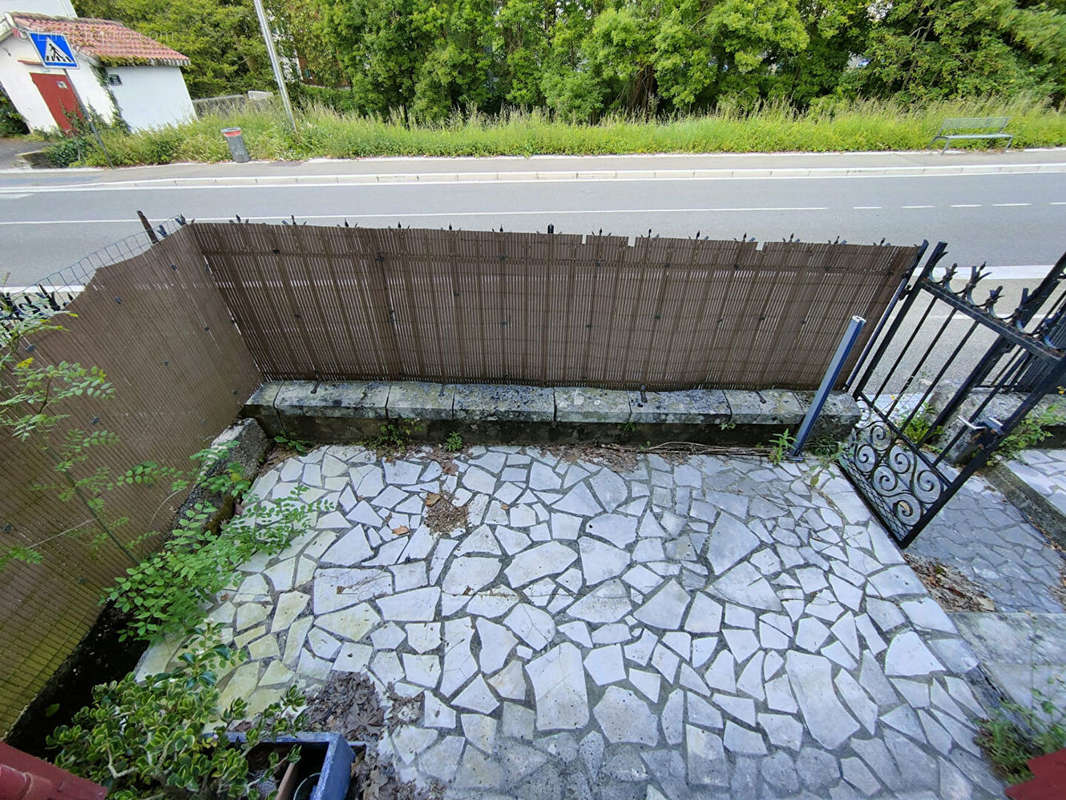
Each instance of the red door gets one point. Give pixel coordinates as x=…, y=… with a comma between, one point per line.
x=57, y=93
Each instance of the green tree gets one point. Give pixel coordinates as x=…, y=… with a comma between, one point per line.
x=932, y=49
x=220, y=37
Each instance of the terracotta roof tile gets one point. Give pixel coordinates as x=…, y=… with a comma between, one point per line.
x=110, y=41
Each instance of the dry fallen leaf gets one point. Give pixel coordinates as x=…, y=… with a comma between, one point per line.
x=432, y=498
x=504, y=506
x=401, y=530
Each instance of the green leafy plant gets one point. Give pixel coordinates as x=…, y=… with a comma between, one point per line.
x=454, y=442
x=1031, y=431
x=780, y=445
x=31, y=402
x=392, y=438
x=827, y=452
x=166, y=737
x=919, y=427
x=168, y=591
x=298, y=446
x=1013, y=734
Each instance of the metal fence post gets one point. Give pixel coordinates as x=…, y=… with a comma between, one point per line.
x=851, y=335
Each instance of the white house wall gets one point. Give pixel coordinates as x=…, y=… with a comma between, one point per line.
x=151, y=97
x=53, y=8
x=16, y=80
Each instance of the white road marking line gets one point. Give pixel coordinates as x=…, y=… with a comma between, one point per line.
x=917, y=206
x=866, y=208
x=406, y=215
x=1010, y=205
x=14, y=196
x=1058, y=203
x=965, y=205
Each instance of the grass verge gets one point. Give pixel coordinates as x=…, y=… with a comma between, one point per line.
x=321, y=132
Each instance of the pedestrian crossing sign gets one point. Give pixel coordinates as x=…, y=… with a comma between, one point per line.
x=55, y=50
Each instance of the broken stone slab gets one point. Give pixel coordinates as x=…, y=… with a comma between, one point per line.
x=687, y=407
x=421, y=401
x=478, y=402
x=587, y=404
x=260, y=407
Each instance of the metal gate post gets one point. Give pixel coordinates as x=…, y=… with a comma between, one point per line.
x=832, y=372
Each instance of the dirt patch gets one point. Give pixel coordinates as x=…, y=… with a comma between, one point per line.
x=349, y=705
x=442, y=515
x=949, y=587
x=277, y=455
x=623, y=457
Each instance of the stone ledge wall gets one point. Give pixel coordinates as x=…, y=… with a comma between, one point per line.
x=353, y=411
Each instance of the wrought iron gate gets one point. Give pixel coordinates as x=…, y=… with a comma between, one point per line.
x=943, y=384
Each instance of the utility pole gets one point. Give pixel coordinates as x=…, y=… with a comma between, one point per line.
x=268, y=37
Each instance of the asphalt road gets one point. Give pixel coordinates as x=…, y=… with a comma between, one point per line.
x=1014, y=218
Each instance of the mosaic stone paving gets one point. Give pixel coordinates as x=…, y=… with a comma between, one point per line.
x=710, y=628
x=989, y=541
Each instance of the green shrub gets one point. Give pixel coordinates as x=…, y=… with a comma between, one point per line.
x=168, y=591
x=1013, y=734
x=166, y=737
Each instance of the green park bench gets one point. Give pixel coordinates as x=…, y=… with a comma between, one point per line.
x=973, y=128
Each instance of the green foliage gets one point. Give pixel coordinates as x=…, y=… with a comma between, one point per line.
x=167, y=592
x=584, y=60
x=1013, y=734
x=454, y=442
x=11, y=122
x=773, y=126
x=780, y=445
x=919, y=428
x=392, y=438
x=220, y=37
x=298, y=446
x=166, y=737
x=1030, y=432
x=29, y=394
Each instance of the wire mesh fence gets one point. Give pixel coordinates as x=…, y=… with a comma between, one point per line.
x=54, y=292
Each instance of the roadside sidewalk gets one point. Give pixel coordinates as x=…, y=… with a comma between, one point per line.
x=535, y=168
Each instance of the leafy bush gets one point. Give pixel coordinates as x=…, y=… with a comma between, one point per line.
x=167, y=592
x=1013, y=734
x=166, y=737
x=1030, y=432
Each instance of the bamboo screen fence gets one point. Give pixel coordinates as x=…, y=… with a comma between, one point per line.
x=159, y=329
x=321, y=303
x=341, y=303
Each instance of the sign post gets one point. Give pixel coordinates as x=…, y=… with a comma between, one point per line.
x=279, y=77
x=55, y=51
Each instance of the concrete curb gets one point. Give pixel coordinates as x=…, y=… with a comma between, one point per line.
x=570, y=175
x=1034, y=506
x=355, y=410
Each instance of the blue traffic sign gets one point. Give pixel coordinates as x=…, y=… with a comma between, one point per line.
x=55, y=50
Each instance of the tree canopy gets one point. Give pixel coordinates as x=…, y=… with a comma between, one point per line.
x=583, y=59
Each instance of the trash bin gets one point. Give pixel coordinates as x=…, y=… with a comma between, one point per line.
x=237, y=150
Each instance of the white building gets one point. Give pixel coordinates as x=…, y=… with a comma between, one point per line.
x=118, y=69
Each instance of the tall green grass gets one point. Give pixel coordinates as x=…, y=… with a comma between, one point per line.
x=322, y=132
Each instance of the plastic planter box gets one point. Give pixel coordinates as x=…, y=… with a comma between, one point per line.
x=336, y=755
